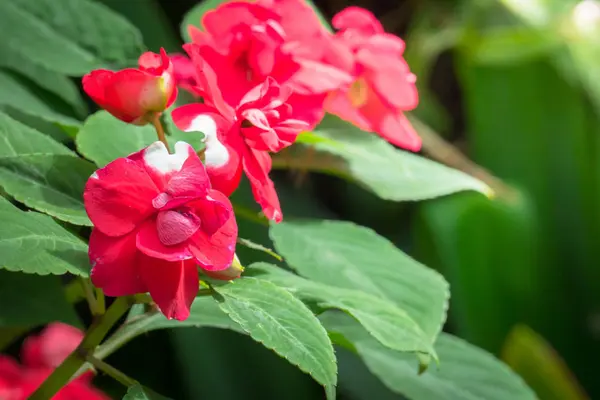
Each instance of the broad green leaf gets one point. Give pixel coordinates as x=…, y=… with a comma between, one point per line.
x=20, y=139
x=17, y=93
x=51, y=183
x=104, y=138
x=345, y=255
x=275, y=318
x=139, y=392
x=345, y=151
x=59, y=85
x=204, y=313
x=33, y=243
x=69, y=36
x=259, y=247
x=31, y=300
x=387, y=322
x=465, y=371
x=534, y=359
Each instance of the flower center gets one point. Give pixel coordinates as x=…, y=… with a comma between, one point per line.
x=358, y=92
x=176, y=226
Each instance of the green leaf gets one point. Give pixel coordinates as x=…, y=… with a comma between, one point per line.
x=387, y=322
x=34, y=300
x=17, y=93
x=69, y=36
x=57, y=84
x=345, y=255
x=372, y=162
x=275, y=318
x=33, y=243
x=465, y=372
x=50, y=183
x=259, y=247
x=139, y=392
x=20, y=139
x=104, y=138
x=534, y=359
x=204, y=313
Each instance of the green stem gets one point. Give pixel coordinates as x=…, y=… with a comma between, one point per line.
x=97, y=331
x=160, y=132
x=95, y=308
x=111, y=371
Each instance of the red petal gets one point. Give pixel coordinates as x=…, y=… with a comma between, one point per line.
x=213, y=213
x=115, y=264
x=338, y=103
x=95, y=83
x=215, y=252
x=135, y=93
x=172, y=285
x=51, y=346
x=257, y=165
x=119, y=196
x=149, y=243
x=357, y=18
x=10, y=370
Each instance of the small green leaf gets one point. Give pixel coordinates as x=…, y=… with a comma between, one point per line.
x=17, y=93
x=465, y=371
x=282, y=323
x=139, y=392
x=387, y=322
x=103, y=138
x=33, y=243
x=392, y=174
x=34, y=300
x=69, y=36
x=345, y=255
x=50, y=183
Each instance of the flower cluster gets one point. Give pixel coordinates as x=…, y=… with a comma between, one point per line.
x=263, y=72
x=40, y=355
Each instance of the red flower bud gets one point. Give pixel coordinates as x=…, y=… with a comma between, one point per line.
x=134, y=95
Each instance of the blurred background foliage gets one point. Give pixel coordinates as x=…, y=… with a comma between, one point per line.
x=510, y=92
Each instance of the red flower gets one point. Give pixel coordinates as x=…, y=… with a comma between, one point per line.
x=51, y=347
x=134, y=95
x=155, y=219
x=41, y=354
x=244, y=43
x=240, y=137
x=184, y=72
x=383, y=85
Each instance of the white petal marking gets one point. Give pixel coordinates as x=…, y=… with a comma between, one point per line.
x=158, y=158
x=216, y=154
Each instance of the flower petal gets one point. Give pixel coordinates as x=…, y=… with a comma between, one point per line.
x=119, y=196
x=357, y=18
x=50, y=348
x=115, y=264
x=172, y=285
x=148, y=242
x=215, y=252
x=257, y=165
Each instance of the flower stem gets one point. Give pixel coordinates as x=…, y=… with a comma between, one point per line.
x=111, y=371
x=160, y=132
x=96, y=306
x=97, y=331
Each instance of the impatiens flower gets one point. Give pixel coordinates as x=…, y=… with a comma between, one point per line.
x=40, y=355
x=244, y=43
x=184, y=72
x=134, y=95
x=383, y=86
x=51, y=346
x=240, y=137
x=156, y=219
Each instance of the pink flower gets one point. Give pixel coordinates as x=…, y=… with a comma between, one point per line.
x=240, y=137
x=156, y=218
x=41, y=354
x=184, y=72
x=244, y=43
x=383, y=86
x=134, y=95
x=51, y=346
